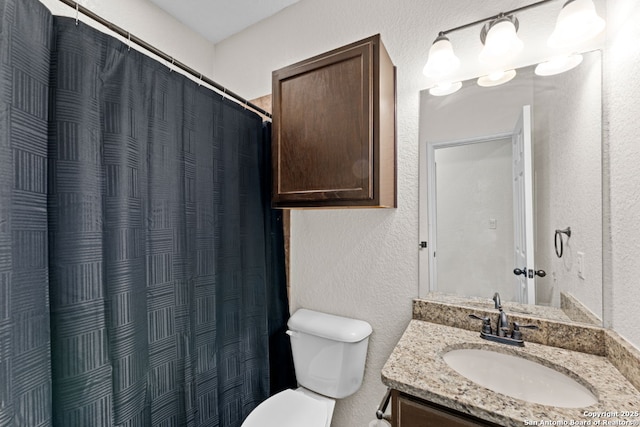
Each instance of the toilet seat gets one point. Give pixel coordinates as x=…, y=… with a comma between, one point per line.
x=292, y=408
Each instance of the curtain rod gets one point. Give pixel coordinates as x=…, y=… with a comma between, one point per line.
x=131, y=38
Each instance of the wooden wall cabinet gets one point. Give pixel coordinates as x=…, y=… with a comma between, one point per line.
x=334, y=135
x=409, y=411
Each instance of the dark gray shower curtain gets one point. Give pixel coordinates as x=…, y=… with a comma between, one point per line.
x=25, y=370
x=141, y=197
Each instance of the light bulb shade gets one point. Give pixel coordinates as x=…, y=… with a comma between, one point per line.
x=497, y=78
x=502, y=43
x=577, y=22
x=442, y=61
x=443, y=89
x=558, y=65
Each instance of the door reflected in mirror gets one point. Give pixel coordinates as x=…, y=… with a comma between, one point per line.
x=506, y=167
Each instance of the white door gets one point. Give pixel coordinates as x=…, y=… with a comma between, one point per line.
x=523, y=208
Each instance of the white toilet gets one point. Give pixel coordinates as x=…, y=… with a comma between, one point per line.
x=328, y=354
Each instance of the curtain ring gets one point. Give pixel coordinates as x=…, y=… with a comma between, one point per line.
x=558, y=236
x=129, y=42
x=77, y=13
x=173, y=60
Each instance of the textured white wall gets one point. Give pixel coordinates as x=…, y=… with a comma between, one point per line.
x=622, y=110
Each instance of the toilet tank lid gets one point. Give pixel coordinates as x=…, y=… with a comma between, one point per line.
x=329, y=326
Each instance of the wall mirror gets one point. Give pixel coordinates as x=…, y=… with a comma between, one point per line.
x=507, y=173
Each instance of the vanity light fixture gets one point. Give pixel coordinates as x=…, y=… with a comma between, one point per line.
x=501, y=41
x=577, y=22
x=442, y=60
x=446, y=88
x=497, y=78
x=558, y=65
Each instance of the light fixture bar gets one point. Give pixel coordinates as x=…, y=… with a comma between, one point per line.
x=481, y=21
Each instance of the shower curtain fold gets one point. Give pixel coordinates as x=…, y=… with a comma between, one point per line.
x=25, y=372
x=144, y=207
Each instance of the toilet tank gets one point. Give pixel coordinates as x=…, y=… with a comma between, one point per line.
x=329, y=352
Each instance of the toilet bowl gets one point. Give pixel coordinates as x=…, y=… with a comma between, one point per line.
x=329, y=354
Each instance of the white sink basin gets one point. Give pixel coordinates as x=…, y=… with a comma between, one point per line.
x=519, y=378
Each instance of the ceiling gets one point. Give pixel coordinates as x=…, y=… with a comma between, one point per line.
x=218, y=19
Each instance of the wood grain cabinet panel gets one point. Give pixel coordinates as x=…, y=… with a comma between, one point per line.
x=334, y=137
x=408, y=411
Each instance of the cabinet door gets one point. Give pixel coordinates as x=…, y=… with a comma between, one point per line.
x=326, y=123
x=411, y=412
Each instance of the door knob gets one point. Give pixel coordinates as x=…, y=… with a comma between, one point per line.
x=540, y=273
x=529, y=273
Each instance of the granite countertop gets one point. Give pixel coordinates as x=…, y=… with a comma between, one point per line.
x=416, y=367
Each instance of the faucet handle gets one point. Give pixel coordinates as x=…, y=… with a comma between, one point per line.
x=516, y=334
x=486, y=323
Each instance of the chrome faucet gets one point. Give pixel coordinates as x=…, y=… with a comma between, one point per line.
x=502, y=333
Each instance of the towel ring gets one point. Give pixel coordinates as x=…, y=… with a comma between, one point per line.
x=558, y=236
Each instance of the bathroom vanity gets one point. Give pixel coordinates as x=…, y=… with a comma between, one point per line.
x=428, y=391
x=408, y=410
